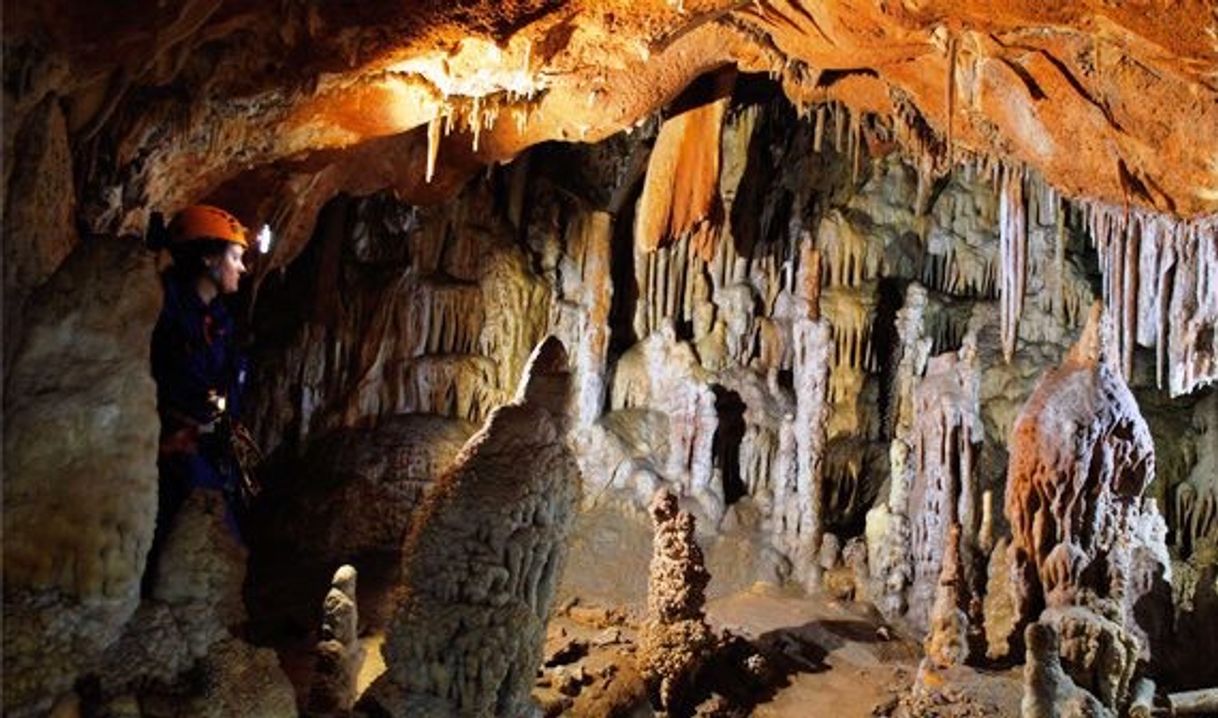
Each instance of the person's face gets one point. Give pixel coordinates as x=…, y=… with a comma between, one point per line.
x=227, y=268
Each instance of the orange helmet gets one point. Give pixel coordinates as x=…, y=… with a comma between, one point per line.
x=206, y=222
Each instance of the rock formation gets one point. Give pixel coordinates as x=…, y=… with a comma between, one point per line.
x=183, y=646
x=482, y=561
x=1099, y=655
x=934, y=483
x=947, y=643
x=1081, y=456
x=675, y=639
x=77, y=404
x=1048, y=691
x=339, y=653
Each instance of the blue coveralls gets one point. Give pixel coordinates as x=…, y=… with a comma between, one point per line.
x=194, y=357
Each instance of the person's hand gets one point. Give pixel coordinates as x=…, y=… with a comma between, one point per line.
x=217, y=403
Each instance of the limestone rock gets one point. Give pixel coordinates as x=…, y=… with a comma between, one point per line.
x=482, y=561
x=152, y=647
x=675, y=637
x=1081, y=456
x=201, y=572
x=39, y=230
x=1048, y=690
x=1097, y=653
x=239, y=679
x=354, y=491
x=80, y=480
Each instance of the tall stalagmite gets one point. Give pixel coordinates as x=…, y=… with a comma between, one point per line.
x=1085, y=546
x=482, y=562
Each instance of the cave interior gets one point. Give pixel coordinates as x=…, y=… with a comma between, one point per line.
x=639, y=357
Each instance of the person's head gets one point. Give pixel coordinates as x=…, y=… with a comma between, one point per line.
x=208, y=244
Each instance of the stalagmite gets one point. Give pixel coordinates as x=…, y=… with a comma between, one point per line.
x=482, y=562
x=946, y=644
x=946, y=433
x=889, y=527
x=1049, y=691
x=803, y=527
x=339, y=653
x=675, y=637
x=1081, y=456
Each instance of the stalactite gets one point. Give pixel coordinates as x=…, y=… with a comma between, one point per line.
x=442, y=319
x=1013, y=239
x=759, y=462
x=818, y=135
x=433, y=145
x=839, y=126
x=1160, y=287
x=849, y=315
x=856, y=146
x=596, y=232
x=682, y=182
x=850, y=258
x=1194, y=504
x=953, y=45
x=1060, y=310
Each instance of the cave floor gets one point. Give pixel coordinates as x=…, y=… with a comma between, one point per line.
x=852, y=666
x=865, y=665
x=828, y=657
x=837, y=659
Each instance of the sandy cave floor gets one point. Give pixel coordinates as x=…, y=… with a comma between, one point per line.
x=830, y=657
x=843, y=661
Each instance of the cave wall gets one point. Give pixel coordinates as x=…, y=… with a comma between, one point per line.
x=687, y=354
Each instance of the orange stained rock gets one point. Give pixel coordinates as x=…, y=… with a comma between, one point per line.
x=1110, y=101
x=682, y=186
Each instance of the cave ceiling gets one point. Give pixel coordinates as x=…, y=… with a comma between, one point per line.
x=277, y=107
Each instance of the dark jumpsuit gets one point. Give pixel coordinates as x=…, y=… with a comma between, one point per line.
x=194, y=357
